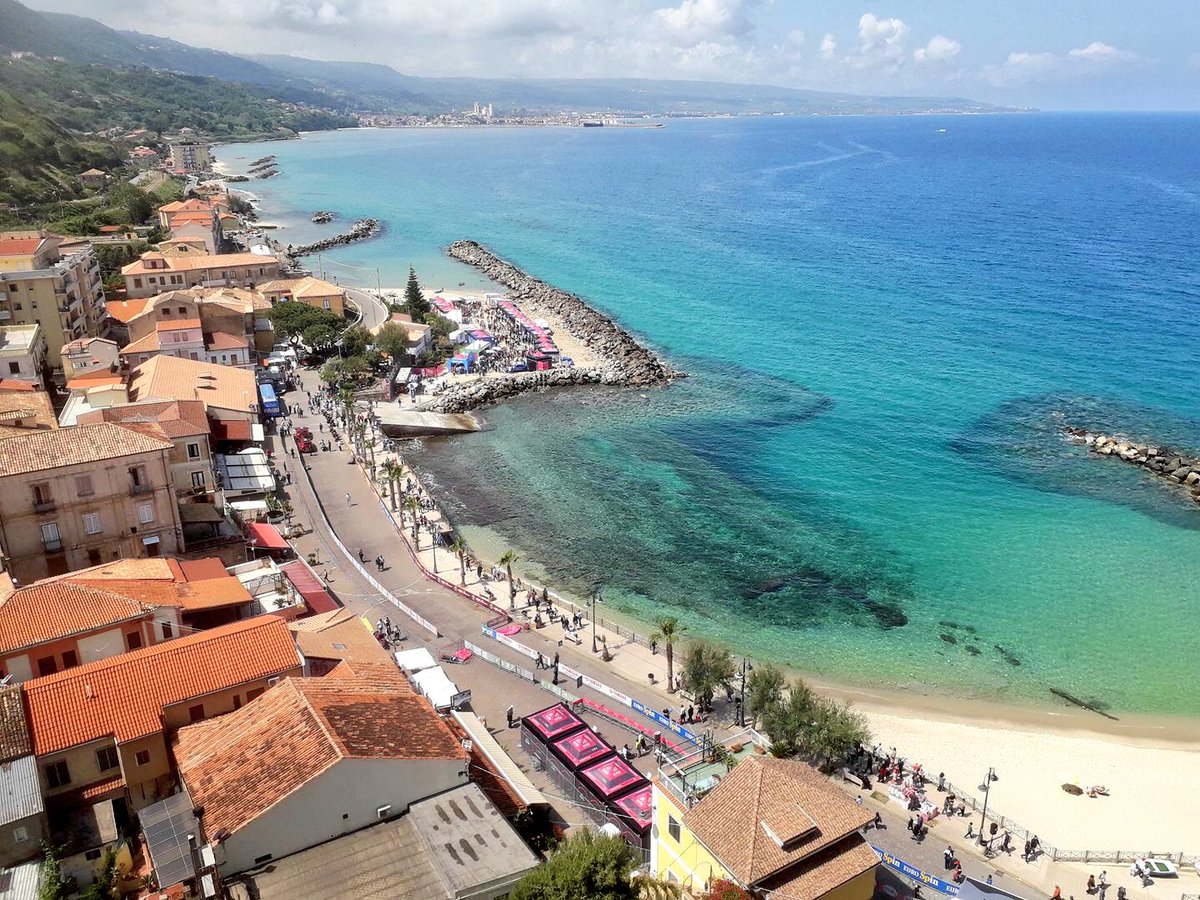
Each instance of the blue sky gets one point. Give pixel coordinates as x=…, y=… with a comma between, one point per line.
x=1053, y=54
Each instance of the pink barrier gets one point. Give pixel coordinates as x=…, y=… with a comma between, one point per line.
x=626, y=720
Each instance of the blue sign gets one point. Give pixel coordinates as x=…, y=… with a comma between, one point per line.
x=912, y=873
x=673, y=727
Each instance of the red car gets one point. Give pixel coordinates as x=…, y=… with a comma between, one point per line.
x=305, y=445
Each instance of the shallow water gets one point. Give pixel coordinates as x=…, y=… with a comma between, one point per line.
x=886, y=326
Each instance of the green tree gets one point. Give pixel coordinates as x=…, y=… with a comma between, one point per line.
x=292, y=318
x=459, y=548
x=356, y=340
x=104, y=885
x=320, y=338
x=392, y=339
x=415, y=303
x=586, y=865
x=787, y=721
x=393, y=472
x=705, y=668
x=833, y=731
x=507, y=560
x=667, y=632
x=412, y=506
x=54, y=885
x=344, y=372
x=764, y=689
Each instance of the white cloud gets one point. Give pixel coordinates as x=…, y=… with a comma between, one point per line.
x=829, y=47
x=939, y=49
x=697, y=21
x=1102, y=54
x=881, y=39
x=1025, y=68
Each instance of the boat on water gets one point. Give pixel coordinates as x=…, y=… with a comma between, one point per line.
x=588, y=124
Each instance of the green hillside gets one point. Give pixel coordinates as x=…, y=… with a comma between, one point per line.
x=40, y=161
x=88, y=98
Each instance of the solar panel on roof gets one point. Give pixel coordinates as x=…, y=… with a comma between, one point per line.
x=166, y=826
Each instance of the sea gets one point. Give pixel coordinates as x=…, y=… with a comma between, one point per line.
x=887, y=322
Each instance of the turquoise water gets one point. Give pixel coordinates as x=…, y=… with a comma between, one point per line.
x=886, y=324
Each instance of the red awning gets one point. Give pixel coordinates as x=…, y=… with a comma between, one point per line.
x=309, y=587
x=266, y=536
x=231, y=430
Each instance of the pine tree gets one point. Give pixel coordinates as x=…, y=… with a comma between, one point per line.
x=415, y=303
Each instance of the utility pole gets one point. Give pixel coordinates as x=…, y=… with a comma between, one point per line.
x=987, y=786
x=596, y=598
x=746, y=667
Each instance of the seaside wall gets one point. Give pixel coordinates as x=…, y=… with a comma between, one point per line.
x=626, y=362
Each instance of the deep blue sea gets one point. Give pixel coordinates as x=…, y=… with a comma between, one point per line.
x=887, y=321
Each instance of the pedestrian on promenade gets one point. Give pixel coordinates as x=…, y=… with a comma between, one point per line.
x=508, y=714
x=1091, y=884
x=970, y=830
x=556, y=659
x=540, y=662
x=555, y=680
x=347, y=498
x=362, y=557
x=948, y=856
x=941, y=781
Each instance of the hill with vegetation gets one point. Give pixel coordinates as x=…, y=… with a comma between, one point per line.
x=40, y=161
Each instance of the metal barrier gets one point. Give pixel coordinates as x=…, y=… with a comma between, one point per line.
x=504, y=664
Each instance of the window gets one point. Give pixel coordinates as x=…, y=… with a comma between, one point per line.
x=20, y=834
x=257, y=692
x=194, y=449
x=196, y=713
x=83, y=485
x=137, y=282
x=237, y=701
x=168, y=631
x=142, y=757
x=145, y=513
x=92, y=855
x=133, y=640
x=42, y=495
x=14, y=368
x=70, y=660
x=94, y=556
x=57, y=774
x=673, y=829
x=106, y=759
x=197, y=479
x=136, y=475
x=50, y=537
x=47, y=665
x=92, y=524
x=259, y=860
x=326, y=303
x=183, y=310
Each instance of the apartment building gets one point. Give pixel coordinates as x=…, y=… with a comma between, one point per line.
x=77, y=497
x=24, y=355
x=155, y=273
x=210, y=325
x=313, y=291
x=191, y=156
x=63, y=294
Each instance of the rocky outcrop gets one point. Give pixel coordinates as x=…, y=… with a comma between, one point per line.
x=625, y=361
x=321, y=216
x=469, y=395
x=359, y=231
x=1174, y=467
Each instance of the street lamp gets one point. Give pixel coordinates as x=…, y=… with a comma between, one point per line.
x=987, y=786
x=747, y=666
x=596, y=598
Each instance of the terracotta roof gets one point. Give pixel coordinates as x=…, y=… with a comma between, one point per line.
x=124, y=310
x=193, y=215
x=765, y=803
x=825, y=870
x=14, y=730
x=150, y=343
x=12, y=384
x=33, y=410
x=176, y=324
x=385, y=674
x=223, y=340
x=191, y=204
x=212, y=593
x=240, y=765
x=81, y=444
x=176, y=418
x=20, y=247
x=339, y=635
x=199, y=569
x=302, y=287
x=98, y=378
x=172, y=378
x=231, y=430
x=192, y=263
x=124, y=697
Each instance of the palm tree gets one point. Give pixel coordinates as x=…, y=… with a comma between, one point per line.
x=412, y=506
x=371, y=442
x=507, y=561
x=668, y=631
x=393, y=472
x=459, y=547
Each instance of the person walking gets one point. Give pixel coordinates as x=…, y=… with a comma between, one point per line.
x=508, y=714
x=347, y=498
x=948, y=857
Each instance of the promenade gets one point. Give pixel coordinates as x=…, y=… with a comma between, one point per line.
x=363, y=523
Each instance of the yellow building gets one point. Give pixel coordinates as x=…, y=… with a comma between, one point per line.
x=39, y=285
x=312, y=291
x=775, y=827
x=155, y=273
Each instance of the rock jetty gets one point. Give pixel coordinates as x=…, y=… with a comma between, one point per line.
x=322, y=216
x=1174, y=467
x=474, y=394
x=359, y=231
x=626, y=362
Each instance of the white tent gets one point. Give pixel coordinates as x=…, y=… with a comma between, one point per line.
x=416, y=660
x=436, y=685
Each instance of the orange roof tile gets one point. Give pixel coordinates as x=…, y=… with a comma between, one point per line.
x=124, y=310
x=25, y=412
x=199, y=569
x=20, y=247
x=98, y=378
x=192, y=263
x=240, y=765
x=14, y=730
x=769, y=814
x=172, y=378
x=176, y=324
x=212, y=593
x=817, y=875
x=12, y=384
x=223, y=340
x=124, y=697
x=177, y=418
x=339, y=634
x=48, y=450
x=149, y=343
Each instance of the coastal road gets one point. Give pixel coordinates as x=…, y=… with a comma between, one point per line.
x=373, y=311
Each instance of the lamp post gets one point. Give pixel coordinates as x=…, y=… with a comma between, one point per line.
x=596, y=598
x=746, y=667
x=987, y=786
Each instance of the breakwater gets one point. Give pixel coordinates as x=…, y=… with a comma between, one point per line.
x=1173, y=467
x=361, y=230
x=625, y=361
x=470, y=395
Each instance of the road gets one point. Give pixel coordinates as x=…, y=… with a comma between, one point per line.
x=374, y=312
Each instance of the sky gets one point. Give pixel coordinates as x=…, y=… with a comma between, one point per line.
x=1049, y=54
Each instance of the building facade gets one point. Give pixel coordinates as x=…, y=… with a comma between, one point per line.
x=155, y=273
x=24, y=355
x=191, y=156
x=63, y=294
x=78, y=497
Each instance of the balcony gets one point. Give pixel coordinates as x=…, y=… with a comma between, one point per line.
x=52, y=546
x=138, y=490
x=43, y=506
